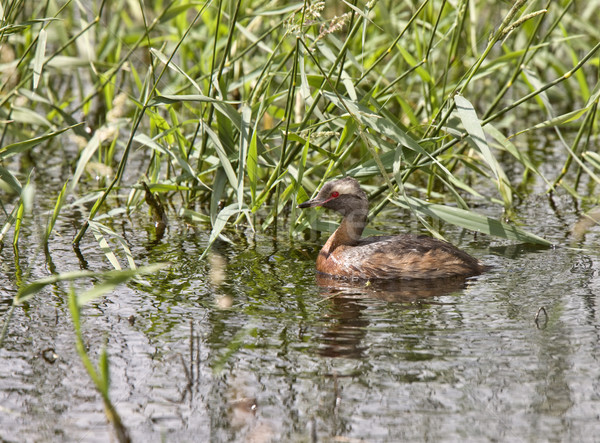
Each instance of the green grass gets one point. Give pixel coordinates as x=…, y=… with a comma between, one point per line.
x=233, y=112
x=237, y=108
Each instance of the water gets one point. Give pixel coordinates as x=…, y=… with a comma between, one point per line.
x=249, y=346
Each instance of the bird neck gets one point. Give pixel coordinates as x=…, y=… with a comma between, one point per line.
x=349, y=231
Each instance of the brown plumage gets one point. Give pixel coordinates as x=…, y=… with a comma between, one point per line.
x=347, y=255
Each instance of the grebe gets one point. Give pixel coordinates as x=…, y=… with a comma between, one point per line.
x=407, y=256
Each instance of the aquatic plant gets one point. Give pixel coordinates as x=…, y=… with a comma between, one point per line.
x=231, y=109
x=225, y=113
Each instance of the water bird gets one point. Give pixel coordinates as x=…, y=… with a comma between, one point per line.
x=406, y=256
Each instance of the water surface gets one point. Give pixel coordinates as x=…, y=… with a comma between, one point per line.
x=250, y=346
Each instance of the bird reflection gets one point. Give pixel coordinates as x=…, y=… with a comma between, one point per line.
x=346, y=328
x=403, y=291
x=347, y=325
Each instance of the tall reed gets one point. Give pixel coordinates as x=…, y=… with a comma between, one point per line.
x=237, y=108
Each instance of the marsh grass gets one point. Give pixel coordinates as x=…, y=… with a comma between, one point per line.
x=234, y=112
x=231, y=112
x=244, y=108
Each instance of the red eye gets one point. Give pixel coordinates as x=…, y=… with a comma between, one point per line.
x=335, y=194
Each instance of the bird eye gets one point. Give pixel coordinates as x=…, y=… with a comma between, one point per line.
x=335, y=194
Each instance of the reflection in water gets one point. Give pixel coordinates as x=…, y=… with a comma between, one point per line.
x=159, y=216
x=403, y=291
x=346, y=324
x=585, y=222
x=516, y=250
x=345, y=331
x=415, y=364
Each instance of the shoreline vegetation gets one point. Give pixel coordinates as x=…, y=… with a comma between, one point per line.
x=222, y=113
x=236, y=107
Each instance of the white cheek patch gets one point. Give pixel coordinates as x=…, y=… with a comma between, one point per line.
x=345, y=188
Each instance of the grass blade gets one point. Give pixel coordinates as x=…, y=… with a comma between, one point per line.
x=7, y=177
x=243, y=154
x=219, y=224
x=98, y=229
x=20, y=147
x=471, y=122
x=59, y=203
x=222, y=154
x=26, y=292
x=470, y=220
x=38, y=59
x=84, y=158
x=252, y=164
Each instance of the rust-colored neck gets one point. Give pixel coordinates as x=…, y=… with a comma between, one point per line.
x=348, y=233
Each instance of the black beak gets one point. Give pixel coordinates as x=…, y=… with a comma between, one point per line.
x=310, y=204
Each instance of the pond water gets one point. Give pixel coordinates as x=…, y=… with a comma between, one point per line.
x=249, y=346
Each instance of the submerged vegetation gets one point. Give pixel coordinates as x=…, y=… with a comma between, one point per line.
x=231, y=112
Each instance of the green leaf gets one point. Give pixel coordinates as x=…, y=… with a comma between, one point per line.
x=173, y=12
x=164, y=187
x=12, y=217
x=29, y=116
x=18, y=222
x=220, y=223
x=522, y=157
x=104, y=372
x=169, y=99
x=59, y=203
x=77, y=127
x=222, y=154
x=243, y=154
x=28, y=291
x=194, y=216
x=27, y=196
x=98, y=229
x=10, y=180
x=85, y=156
x=165, y=60
x=67, y=62
x=471, y=122
x=38, y=59
x=176, y=155
x=424, y=74
x=23, y=146
x=593, y=158
x=470, y=220
x=99, y=289
x=252, y=164
x=556, y=121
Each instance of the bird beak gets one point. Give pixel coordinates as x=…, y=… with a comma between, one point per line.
x=310, y=204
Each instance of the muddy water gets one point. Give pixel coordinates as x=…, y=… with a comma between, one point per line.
x=250, y=346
